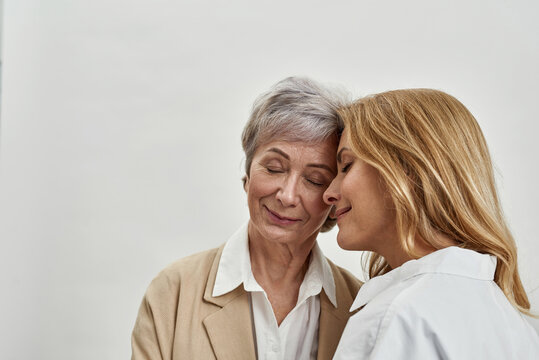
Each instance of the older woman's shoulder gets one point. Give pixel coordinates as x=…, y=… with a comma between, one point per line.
x=192, y=262
x=193, y=269
x=345, y=278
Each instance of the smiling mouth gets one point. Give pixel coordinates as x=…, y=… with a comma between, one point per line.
x=279, y=219
x=341, y=212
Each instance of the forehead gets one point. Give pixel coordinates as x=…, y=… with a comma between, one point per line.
x=344, y=139
x=321, y=151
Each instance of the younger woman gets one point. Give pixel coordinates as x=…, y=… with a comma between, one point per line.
x=416, y=187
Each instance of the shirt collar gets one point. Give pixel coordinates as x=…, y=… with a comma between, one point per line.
x=235, y=269
x=451, y=260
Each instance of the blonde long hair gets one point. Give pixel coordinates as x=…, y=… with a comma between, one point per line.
x=434, y=159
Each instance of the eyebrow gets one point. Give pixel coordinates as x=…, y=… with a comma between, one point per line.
x=280, y=152
x=339, y=154
x=321, y=166
x=285, y=155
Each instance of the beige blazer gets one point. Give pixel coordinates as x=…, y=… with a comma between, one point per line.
x=180, y=319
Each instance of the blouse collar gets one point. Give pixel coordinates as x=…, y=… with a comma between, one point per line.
x=235, y=269
x=451, y=260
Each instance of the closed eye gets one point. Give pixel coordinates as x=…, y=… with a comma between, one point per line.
x=346, y=167
x=315, y=182
x=274, y=170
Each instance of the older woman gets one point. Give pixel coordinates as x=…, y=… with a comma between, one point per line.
x=268, y=292
x=416, y=187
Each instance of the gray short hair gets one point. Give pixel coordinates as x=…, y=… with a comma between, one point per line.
x=294, y=109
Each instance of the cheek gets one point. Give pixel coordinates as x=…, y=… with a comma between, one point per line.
x=260, y=185
x=315, y=204
x=345, y=186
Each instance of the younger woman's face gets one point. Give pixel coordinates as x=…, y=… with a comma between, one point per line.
x=364, y=209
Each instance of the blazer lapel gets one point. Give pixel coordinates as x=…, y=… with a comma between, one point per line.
x=229, y=328
x=332, y=323
x=333, y=319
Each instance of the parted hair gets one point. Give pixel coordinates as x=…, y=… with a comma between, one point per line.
x=294, y=109
x=433, y=157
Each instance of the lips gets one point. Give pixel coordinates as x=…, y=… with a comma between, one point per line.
x=339, y=213
x=280, y=219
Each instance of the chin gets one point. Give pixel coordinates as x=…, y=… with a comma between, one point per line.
x=349, y=242
x=344, y=241
x=280, y=235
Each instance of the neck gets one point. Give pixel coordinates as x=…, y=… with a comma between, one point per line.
x=420, y=248
x=276, y=264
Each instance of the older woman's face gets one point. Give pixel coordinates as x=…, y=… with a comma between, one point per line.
x=285, y=187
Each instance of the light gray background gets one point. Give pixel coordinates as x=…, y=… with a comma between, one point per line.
x=121, y=122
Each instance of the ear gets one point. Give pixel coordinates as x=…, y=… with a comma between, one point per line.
x=245, y=180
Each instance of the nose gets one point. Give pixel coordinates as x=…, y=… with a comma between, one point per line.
x=288, y=192
x=332, y=194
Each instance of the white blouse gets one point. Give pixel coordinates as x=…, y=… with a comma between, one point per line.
x=297, y=335
x=442, y=306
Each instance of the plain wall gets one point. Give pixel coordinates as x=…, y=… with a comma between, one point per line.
x=120, y=135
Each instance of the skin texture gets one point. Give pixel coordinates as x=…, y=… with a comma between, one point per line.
x=284, y=189
x=364, y=210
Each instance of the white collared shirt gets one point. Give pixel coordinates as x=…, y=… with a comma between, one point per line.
x=442, y=306
x=297, y=336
